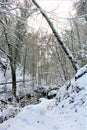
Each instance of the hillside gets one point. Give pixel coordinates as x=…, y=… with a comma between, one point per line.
x=66, y=111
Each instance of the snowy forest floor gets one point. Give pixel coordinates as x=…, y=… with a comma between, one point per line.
x=66, y=111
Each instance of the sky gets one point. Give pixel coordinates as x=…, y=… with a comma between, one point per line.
x=57, y=8
x=61, y=7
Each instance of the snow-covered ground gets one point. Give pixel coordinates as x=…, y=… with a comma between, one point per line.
x=67, y=111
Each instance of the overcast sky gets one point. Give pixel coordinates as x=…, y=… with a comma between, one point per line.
x=62, y=7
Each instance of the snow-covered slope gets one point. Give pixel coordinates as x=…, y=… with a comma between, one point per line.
x=66, y=112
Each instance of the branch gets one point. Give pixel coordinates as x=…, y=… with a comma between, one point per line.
x=81, y=72
x=16, y=82
x=55, y=32
x=5, y=53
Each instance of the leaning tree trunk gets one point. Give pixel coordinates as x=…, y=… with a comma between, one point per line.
x=63, y=45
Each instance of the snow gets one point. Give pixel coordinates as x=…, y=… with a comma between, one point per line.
x=67, y=111
x=45, y=116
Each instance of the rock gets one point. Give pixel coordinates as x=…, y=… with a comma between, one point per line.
x=52, y=94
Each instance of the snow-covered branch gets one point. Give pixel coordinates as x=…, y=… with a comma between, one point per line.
x=81, y=72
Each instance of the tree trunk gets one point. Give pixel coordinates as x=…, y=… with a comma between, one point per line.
x=24, y=65
x=13, y=72
x=12, y=63
x=64, y=47
x=13, y=67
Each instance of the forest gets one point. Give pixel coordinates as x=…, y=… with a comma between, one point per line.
x=43, y=64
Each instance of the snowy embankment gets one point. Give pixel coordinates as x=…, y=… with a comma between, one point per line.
x=67, y=111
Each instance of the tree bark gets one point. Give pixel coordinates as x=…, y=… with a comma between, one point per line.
x=64, y=47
